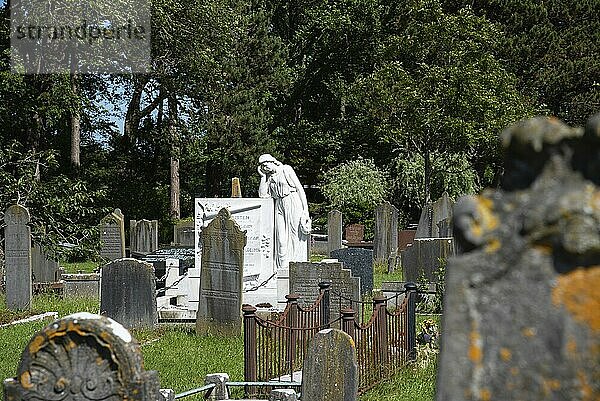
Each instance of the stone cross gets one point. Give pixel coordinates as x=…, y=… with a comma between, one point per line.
x=330, y=371
x=334, y=230
x=220, y=300
x=522, y=311
x=17, y=249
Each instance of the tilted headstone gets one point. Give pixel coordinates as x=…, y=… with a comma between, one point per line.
x=128, y=293
x=17, y=250
x=334, y=230
x=330, y=369
x=82, y=357
x=424, y=257
x=45, y=270
x=143, y=236
x=184, y=233
x=220, y=299
x=360, y=263
x=306, y=276
x=112, y=236
x=385, y=242
x=522, y=312
x=355, y=233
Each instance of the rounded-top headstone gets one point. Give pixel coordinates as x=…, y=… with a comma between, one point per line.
x=16, y=214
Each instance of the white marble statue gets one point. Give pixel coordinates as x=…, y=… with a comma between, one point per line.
x=292, y=221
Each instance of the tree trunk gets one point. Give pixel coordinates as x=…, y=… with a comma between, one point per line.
x=174, y=133
x=427, y=178
x=75, y=125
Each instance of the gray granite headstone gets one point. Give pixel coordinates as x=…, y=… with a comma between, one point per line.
x=385, y=242
x=112, y=236
x=330, y=369
x=128, y=293
x=522, y=307
x=84, y=285
x=435, y=218
x=360, y=263
x=143, y=236
x=423, y=258
x=220, y=299
x=184, y=233
x=44, y=268
x=334, y=230
x=306, y=276
x=355, y=233
x=17, y=249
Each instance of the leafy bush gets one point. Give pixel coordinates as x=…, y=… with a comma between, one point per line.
x=355, y=188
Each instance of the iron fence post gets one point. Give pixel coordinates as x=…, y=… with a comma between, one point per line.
x=324, y=287
x=292, y=300
x=411, y=320
x=348, y=321
x=250, y=369
x=379, y=308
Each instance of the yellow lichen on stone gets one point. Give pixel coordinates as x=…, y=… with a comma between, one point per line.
x=25, y=380
x=485, y=394
x=586, y=389
x=36, y=344
x=528, y=332
x=550, y=385
x=493, y=245
x=475, y=354
x=578, y=292
x=514, y=371
x=505, y=354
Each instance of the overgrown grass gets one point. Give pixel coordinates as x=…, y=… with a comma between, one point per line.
x=77, y=267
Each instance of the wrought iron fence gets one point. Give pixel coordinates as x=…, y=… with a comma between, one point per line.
x=274, y=350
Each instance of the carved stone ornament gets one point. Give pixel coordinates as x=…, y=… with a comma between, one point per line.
x=82, y=357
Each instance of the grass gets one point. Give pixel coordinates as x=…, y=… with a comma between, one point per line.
x=77, y=267
x=183, y=359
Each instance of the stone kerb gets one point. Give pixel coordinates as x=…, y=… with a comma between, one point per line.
x=82, y=357
x=17, y=253
x=128, y=293
x=521, y=314
x=330, y=370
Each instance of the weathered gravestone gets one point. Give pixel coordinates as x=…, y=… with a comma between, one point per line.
x=17, y=248
x=220, y=299
x=44, y=269
x=112, y=236
x=330, y=369
x=184, y=233
x=435, y=219
x=236, y=189
x=423, y=259
x=84, y=285
x=522, y=311
x=143, y=237
x=385, y=242
x=360, y=263
x=355, y=233
x=128, y=293
x=405, y=238
x=82, y=357
x=306, y=276
x=334, y=230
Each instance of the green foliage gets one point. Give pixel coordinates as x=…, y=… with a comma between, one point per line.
x=62, y=210
x=355, y=188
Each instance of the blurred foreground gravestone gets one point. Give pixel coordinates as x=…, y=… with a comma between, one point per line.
x=82, y=357
x=522, y=311
x=330, y=370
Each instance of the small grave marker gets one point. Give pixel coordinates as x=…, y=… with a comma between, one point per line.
x=355, y=233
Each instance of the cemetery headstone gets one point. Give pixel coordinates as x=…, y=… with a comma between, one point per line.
x=434, y=214
x=405, y=237
x=306, y=276
x=334, y=230
x=330, y=369
x=184, y=233
x=521, y=314
x=355, y=233
x=128, y=293
x=112, y=236
x=424, y=257
x=360, y=263
x=17, y=249
x=143, y=236
x=2, y=271
x=385, y=242
x=220, y=299
x=45, y=270
x=81, y=285
x=82, y=357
